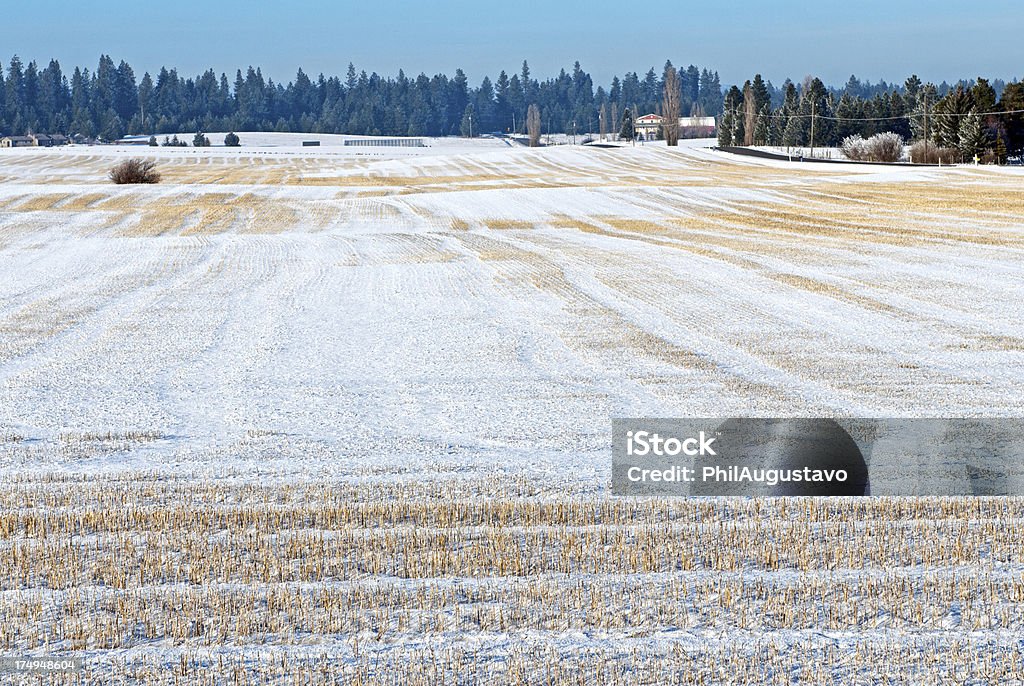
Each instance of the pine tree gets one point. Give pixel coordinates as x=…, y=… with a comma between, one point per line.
x=1013, y=99
x=950, y=115
x=733, y=107
x=971, y=137
x=794, y=134
x=626, y=131
x=726, y=126
x=762, y=131
x=925, y=99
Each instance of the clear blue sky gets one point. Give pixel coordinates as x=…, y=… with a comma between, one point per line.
x=937, y=39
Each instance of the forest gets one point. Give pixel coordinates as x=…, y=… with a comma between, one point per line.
x=972, y=117
x=110, y=102
x=969, y=118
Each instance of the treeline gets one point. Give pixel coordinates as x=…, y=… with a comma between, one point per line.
x=972, y=118
x=110, y=102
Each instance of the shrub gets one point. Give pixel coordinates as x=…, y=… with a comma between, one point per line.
x=885, y=147
x=231, y=140
x=854, y=148
x=200, y=140
x=882, y=147
x=152, y=142
x=922, y=153
x=135, y=170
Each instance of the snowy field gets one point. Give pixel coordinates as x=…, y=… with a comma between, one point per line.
x=342, y=413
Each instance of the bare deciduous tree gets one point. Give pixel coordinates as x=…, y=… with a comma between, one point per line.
x=671, y=106
x=603, y=117
x=749, y=114
x=533, y=125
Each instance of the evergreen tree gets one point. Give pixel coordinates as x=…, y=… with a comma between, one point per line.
x=626, y=130
x=759, y=90
x=726, y=127
x=971, y=139
x=762, y=131
x=925, y=99
x=15, y=93
x=733, y=117
x=1013, y=99
x=951, y=113
x=793, y=136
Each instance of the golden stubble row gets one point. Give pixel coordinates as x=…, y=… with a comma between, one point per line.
x=745, y=659
x=298, y=614
x=143, y=561
x=178, y=553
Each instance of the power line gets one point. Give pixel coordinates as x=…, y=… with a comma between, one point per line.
x=912, y=115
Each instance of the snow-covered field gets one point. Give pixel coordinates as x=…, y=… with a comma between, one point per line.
x=300, y=414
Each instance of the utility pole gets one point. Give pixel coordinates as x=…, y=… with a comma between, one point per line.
x=574, y=132
x=514, y=131
x=812, y=127
x=470, y=125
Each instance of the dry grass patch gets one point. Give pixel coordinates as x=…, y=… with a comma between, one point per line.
x=1010, y=343
x=952, y=196
x=44, y=202
x=136, y=436
x=507, y=224
x=832, y=291
x=162, y=219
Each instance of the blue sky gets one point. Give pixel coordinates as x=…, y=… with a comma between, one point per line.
x=937, y=39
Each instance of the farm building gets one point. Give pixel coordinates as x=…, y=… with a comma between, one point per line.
x=133, y=140
x=648, y=127
x=33, y=140
x=16, y=142
x=47, y=140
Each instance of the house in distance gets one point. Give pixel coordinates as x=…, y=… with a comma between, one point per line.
x=648, y=127
x=33, y=140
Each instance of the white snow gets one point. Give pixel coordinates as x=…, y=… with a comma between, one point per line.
x=471, y=307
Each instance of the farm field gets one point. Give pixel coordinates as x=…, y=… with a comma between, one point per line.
x=343, y=415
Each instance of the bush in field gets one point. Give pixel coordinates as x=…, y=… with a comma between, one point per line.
x=885, y=147
x=231, y=140
x=200, y=140
x=135, y=170
x=882, y=147
x=854, y=148
x=929, y=153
